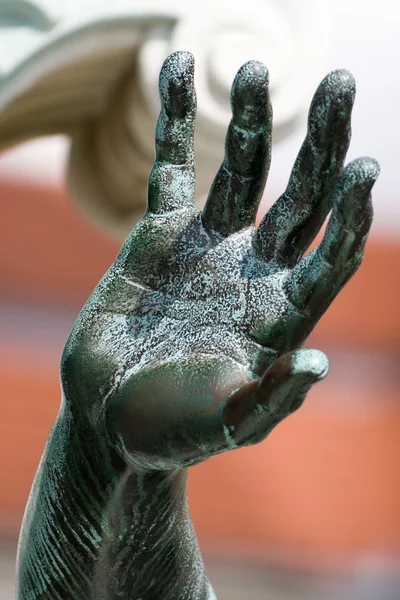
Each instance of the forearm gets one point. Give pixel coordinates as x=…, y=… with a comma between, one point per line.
x=63, y=526
x=161, y=553
x=94, y=525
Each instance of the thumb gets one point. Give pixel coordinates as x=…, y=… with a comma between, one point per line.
x=253, y=410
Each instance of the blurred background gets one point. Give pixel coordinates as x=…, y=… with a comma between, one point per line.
x=313, y=512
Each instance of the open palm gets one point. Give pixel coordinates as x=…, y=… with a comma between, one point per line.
x=189, y=346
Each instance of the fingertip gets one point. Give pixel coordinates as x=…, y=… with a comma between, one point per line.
x=178, y=62
x=332, y=102
x=329, y=117
x=252, y=73
x=340, y=85
x=371, y=167
x=250, y=94
x=301, y=367
x=363, y=169
x=311, y=363
x=288, y=380
x=359, y=176
x=176, y=82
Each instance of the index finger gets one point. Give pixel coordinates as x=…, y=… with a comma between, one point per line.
x=172, y=179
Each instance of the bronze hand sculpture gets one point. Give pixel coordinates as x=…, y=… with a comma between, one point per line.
x=189, y=345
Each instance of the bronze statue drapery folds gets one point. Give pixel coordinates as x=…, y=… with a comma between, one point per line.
x=190, y=344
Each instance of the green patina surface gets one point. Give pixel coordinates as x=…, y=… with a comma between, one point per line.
x=190, y=344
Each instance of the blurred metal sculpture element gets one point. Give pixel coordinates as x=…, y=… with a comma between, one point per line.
x=189, y=345
x=89, y=68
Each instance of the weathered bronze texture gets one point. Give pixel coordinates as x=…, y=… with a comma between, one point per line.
x=189, y=345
